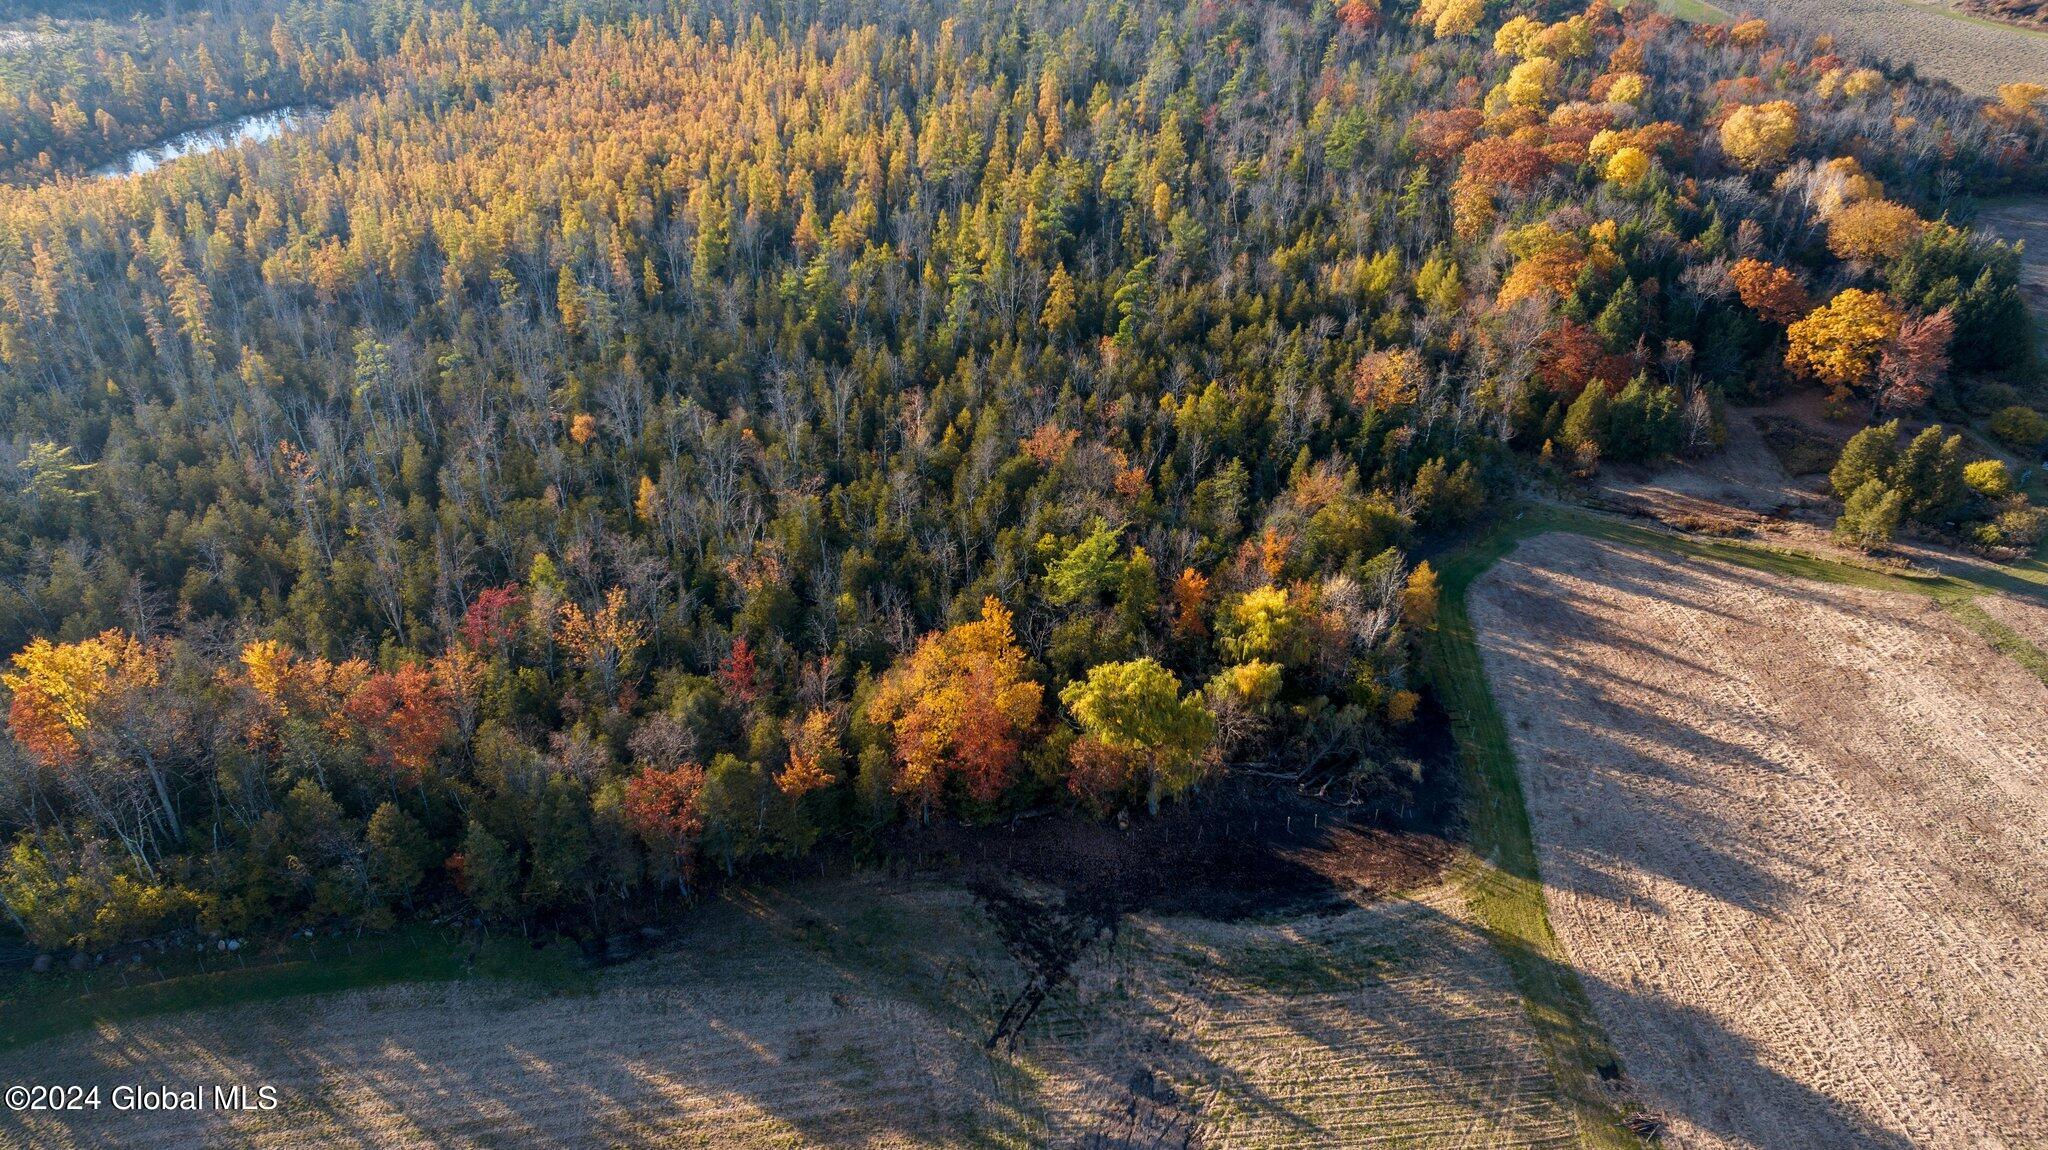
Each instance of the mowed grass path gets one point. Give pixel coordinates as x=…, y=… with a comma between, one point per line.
x=1500, y=875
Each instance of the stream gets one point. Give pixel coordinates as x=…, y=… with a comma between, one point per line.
x=256, y=127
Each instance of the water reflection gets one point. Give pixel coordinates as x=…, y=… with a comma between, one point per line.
x=256, y=127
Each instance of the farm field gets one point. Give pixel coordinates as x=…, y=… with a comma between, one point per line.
x=1971, y=52
x=857, y=1013
x=1791, y=837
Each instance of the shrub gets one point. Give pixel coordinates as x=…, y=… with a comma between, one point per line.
x=2019, y=426
x=1989, y=478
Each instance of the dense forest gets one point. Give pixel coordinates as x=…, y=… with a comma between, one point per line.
x=620, y=443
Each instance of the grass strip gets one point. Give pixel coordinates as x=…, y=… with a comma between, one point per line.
x=34, y=1007
x=1499, y=876
x=2007, y=641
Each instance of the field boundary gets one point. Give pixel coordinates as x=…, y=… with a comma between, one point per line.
x=35, y=1007
x=1499, y=874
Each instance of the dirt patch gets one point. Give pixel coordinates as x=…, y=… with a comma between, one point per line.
x=1794, y=838
x=1760, y=484
x=857, y=1013
x=1752, y=489
x=1801, y=451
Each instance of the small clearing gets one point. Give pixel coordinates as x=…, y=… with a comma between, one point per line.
x=1794, y=839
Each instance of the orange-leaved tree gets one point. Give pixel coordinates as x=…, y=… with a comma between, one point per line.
x=958, y=707
x=1770, y=291
x=662, y=805
x=406, y=715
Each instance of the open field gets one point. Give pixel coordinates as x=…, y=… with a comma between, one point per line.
x=1792, y=841
x=856, y=1013
x=1973, y=53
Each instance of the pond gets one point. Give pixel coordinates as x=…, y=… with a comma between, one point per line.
x=256, y=127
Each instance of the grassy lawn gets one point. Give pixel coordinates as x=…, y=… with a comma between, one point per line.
x=38, y=1006
x=1694, y=11
x=1500, y=877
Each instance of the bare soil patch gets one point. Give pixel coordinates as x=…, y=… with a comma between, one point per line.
x=1769, y=484
x=1768, y=480
x=1794, y=838
x=859, y=1012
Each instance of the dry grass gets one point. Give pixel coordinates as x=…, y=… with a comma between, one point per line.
x=2028, y=620
x=855, y=1013
x=1794, y=839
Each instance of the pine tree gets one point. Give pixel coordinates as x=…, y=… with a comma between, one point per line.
x=398, y=852
x=489, y=873
x=1870, y=454
x=1585, y=421
x=1871, y=515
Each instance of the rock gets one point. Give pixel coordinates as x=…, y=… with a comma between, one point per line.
x=41, y=965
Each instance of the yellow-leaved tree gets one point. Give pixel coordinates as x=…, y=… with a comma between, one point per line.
x=58, y=687
x=1448, y=18
x=1136, y=728
x=1760, y=135
x=1841, y=342
x=1872, y=230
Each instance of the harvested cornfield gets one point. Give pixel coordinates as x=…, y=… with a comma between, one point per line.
x=1794, y=839
x=858, y=1013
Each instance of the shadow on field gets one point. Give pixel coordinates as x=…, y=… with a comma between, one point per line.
x=845, y=1013
x=1599, y=718
x=1757, y=1105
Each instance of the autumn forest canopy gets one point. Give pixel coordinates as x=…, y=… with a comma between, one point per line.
x=620, y=445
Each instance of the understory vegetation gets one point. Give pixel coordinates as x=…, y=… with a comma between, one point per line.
x=607, y=451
